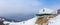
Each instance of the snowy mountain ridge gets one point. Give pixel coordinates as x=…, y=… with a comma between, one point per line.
x=28, y=22
x=53, y=21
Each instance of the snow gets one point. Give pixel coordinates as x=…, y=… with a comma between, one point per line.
x=5, y=22
x=28, y=22
x=54, y=21
x=31, y=21
x=46, y=10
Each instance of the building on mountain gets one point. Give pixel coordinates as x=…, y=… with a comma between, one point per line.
x=58, y=11
x=44, y=15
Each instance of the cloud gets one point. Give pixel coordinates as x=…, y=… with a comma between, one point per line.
x=18, y=6
x=26, y=6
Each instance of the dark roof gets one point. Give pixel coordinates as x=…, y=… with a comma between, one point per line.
x=43, y=14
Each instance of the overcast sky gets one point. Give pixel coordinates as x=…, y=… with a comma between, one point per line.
x=27, y=6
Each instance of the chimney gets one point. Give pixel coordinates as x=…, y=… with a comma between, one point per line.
x=58, y=11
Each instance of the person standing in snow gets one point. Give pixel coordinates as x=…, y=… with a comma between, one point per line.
x=43, y=16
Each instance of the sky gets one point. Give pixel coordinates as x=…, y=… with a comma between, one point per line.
x=27, y=6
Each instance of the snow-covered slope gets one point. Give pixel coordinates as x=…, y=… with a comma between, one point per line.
x=28, y=22
x=31, y=21
x=54, y=21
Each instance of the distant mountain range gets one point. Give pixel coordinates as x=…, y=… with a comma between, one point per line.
x=18, y=17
